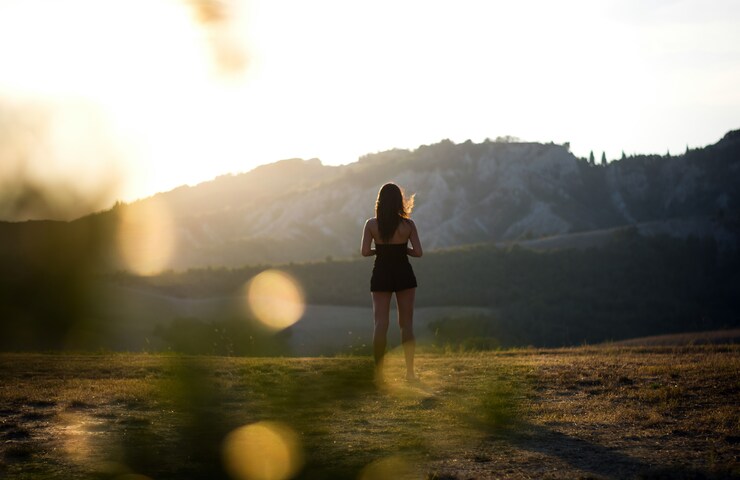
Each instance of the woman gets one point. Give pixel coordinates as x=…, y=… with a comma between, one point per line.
x=391, y=230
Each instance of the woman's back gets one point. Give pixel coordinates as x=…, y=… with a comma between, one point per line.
x=401, y=236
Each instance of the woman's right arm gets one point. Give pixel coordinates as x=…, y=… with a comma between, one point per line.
x=415, y=250
x=367, y=238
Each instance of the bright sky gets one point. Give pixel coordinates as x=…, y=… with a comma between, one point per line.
x=169, y=92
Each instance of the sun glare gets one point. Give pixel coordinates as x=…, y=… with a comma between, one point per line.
x=263, y=451
x=275, y=299
x=146, y=237
x=154, y=69
x=80, y=440
x=188, y=90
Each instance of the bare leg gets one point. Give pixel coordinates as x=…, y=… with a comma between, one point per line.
x=405, y=301
x=381, y=315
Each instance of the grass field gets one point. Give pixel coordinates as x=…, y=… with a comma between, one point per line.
x=650, y=412
x=131, y=316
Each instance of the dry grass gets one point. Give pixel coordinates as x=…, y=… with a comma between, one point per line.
x=571, y=413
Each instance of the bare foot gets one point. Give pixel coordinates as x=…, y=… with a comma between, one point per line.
x=411, y=378
x=379, y=378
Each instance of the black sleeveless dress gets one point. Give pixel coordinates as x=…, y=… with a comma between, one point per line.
x=392, y=271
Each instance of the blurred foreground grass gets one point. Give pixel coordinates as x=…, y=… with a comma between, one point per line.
x=570, y=413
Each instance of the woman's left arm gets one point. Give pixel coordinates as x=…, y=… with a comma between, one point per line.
x=415, y=250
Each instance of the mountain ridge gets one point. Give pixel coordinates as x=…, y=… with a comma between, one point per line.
x=297, y=210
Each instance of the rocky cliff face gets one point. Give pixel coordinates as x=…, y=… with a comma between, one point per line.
x=300, y=210
x=466, y=193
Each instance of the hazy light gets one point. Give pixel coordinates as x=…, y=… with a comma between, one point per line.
x=146, y=237
x=57, y=160
x=263, y=451
x=157, y=91
x=80, y=441
x=394, y=466
x=76, y=442
x=275, y=298
x=193, y=93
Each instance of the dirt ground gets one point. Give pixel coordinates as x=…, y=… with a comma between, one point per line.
x=650, y=413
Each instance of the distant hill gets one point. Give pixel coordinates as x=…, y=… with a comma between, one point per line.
x=631, y=286
x=469, y=297
x=298, y=210
x=559, y=250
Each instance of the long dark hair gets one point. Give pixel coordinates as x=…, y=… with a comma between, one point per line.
x=390, y=208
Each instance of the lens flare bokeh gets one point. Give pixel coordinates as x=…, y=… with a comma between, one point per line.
x=146, y=237
x=76, y=438
x=82, y=441
x=275, y=298
x=263, y=451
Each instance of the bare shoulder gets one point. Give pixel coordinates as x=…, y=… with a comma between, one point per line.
x=406, y=228
x=371, y=222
